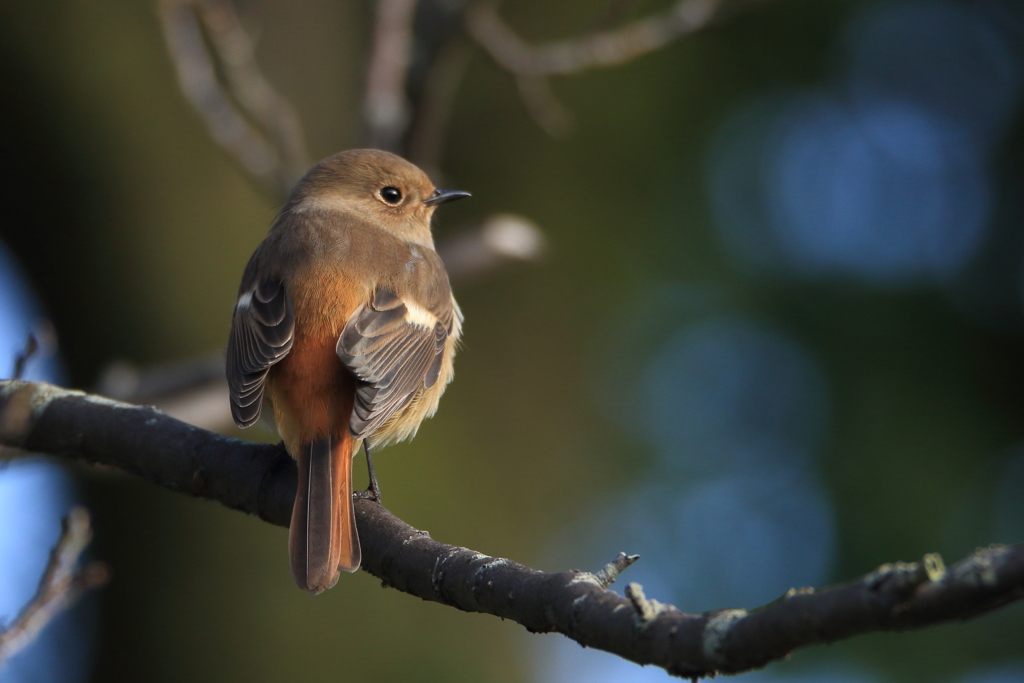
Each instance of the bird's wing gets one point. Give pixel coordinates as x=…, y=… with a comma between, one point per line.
x=395, y=348
x=262, y=331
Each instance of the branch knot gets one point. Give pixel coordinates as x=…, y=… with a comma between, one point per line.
x=607, y=575
x=902, y=578
x=646, y=610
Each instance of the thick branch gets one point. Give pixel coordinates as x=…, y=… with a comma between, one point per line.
x=260, y=480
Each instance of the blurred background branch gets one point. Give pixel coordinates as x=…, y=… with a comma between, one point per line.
x=61, y=585
x=385, y=103
x=245, y=114
x=532, y=65
x=260, y=480
x=25, y=355
x=595, y=50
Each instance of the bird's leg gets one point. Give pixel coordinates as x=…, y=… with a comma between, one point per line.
x=373, y=492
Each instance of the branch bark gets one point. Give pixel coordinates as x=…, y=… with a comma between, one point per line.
x=260, y=480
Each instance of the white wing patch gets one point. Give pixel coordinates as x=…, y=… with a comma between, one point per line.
x=417, y=315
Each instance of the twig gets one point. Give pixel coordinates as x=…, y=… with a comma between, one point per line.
x=276, y=158
x=600, y=49
x=613, y=14
x=607, y=576
x=428, y=130
x=193, y=390
x=543, y=106
x=40, y=343
x=441, y=52
x=385, y=104
x=258, y=98
x=60, y=586
x=502, y=239
x=25, y=355
x=646, y=610
x=124, y=381
x=261, y=480
x=532, y=65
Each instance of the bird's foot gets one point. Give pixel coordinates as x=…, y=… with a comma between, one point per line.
x=369, y=494
x=373, y=492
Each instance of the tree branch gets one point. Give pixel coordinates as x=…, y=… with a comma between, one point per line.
x=385, y=104
x=245, y=115
x=261, y=479
x=428, y=130
x=532, y=65
x=591, y=51
x=60, y=587
x=25, y=355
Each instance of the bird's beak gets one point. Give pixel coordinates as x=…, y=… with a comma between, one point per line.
x=445, y=196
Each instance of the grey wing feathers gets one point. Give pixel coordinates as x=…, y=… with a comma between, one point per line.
x=392, y=357
x=261, y=335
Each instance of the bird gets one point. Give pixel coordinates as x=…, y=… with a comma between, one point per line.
x=343, y=334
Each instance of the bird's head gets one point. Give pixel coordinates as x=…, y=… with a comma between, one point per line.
x=378, y=187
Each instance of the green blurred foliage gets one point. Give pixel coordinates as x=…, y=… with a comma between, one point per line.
x=135, y=228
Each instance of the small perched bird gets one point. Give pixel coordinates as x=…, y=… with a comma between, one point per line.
x=346, y=327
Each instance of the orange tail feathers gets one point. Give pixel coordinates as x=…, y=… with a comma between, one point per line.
x=322, y=539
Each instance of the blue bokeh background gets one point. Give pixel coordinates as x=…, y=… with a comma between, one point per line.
x=34, y=495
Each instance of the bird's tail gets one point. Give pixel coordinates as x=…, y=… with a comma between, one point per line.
x=322, y=539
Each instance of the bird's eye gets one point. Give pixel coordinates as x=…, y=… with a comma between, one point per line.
x=392, y=195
